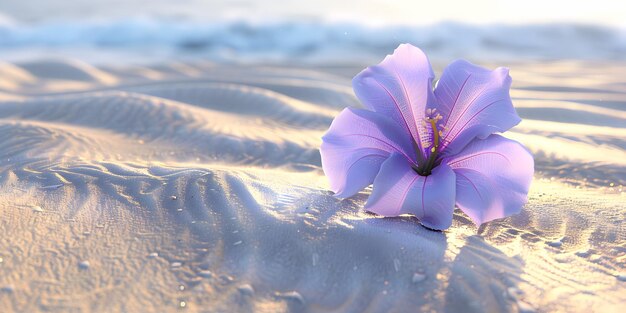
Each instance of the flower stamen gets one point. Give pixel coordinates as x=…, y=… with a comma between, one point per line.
x=427, y=167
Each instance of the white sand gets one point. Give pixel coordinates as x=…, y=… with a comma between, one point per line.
x=198, y=188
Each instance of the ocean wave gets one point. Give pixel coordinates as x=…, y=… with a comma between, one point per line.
x=310, y=40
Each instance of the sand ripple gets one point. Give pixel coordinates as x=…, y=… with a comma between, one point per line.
x=153, y=189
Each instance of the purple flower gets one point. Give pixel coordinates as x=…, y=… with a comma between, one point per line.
x=428, y=150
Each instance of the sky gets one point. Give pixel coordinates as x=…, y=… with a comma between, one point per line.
x=374, y=12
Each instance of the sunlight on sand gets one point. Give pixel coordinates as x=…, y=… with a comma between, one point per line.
x=195, y=186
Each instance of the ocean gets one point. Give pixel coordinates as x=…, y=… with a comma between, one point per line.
x=296, y=33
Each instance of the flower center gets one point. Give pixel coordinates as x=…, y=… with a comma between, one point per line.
x=431, y=121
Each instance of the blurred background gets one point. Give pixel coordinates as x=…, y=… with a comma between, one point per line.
x=320, y=32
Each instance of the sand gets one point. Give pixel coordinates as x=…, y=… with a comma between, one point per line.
x=197, y=187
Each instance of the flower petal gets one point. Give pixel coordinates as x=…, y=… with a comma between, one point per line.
x=474, y=102
x=356, y=143
x=399, y=87
x=398, y=189
x=493, y=176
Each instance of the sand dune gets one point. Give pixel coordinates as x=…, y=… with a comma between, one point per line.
x=199, y=187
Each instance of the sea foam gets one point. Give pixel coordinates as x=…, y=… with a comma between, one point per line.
x=318, y=41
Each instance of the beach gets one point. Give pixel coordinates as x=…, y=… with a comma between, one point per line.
x=160, y=156
x=197, y=186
